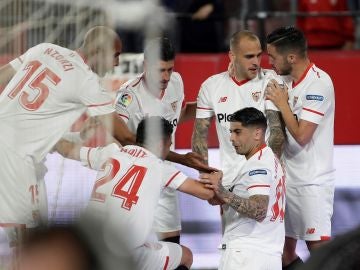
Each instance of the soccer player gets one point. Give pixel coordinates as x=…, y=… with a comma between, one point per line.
x=222, y=94
x=308, y=112
x=159, y=91
x=254, y=204
x=127, y=192
x=47, y=89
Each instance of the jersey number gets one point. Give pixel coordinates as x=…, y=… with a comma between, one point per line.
x=126, y=188
x=40, y=89
x=278, y=208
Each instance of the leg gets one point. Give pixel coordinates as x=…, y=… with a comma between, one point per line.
x=311, y=245
x=290, y=260
x=186, y=259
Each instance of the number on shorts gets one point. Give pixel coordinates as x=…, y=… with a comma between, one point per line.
x=128, y=186
x=278, y=209
x=36, y=84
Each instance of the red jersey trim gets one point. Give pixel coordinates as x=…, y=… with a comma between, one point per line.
x=255, y=186
x=16, y=225
x=135, y=84
x=166, y=263
x=325, y=238
x=294, y=84
x=260, y=149
x=202, y=108
x=309, y=110
x=123, y=115
x=240, y=83
x=88, y=158
x=172, y=178
x=98, y=105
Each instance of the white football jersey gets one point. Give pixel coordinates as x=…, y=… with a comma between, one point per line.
x=312, y=99
x=127, y=189
x=52, y=87
x=134, y=101
x=262, y=174
x=221, y=95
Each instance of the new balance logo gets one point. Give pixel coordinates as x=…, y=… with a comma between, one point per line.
x=222, y=99
x=310, y=231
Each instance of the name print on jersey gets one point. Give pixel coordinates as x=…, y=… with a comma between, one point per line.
x=66, y=65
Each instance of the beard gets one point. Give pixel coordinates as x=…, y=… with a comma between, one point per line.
x=286, y=69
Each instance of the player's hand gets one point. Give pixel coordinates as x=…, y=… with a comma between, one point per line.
x=212, y=180
x=277, y=93
x=215, y=201
x=196, y=161
x=203, y=12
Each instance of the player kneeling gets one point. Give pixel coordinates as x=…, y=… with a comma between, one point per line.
x=127, y=192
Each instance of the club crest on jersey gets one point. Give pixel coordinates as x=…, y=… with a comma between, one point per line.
x=256, y=96
x=295, y=100
x=254, y=172
x=174, y=106
x=125, y=99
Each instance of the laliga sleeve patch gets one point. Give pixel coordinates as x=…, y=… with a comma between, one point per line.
x=254, y=172
x=315, y=97
x=125, y=99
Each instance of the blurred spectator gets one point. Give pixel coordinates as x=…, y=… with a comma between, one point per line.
x=201, y=25
x=327, y=32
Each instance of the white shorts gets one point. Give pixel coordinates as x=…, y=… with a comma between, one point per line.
x=158, y=255
x=167, y=214
x=19, y=203
x=235, y=259
x=308, y=212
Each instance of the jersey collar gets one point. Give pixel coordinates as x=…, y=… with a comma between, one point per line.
x=294, y=84
x=239, y=83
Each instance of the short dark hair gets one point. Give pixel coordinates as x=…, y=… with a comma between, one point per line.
x=165, y=132
x=288, y=39
x=159, y=48
x=249, y=116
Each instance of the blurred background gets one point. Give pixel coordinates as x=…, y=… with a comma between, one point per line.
x=200, y=31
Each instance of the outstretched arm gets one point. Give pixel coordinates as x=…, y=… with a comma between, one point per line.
x=277, y=131
x=68, y=149
x=254, y=207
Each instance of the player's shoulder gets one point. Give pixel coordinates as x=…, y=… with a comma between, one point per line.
x=132, y=84
x=217, y=79
x=320, y=76
x=176, y=77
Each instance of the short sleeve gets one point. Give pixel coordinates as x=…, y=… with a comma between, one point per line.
x=94, y=158
x=204, y=107
x=259, y=181
x=316, y=103
x=126, y=104
x=95, y=98
x=172, y=177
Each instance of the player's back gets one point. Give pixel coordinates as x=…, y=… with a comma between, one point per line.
x=127, y=192
x=43, y=99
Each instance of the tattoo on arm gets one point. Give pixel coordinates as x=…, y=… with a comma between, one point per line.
x=277, y=131
x=199, y=138
x=254, y=207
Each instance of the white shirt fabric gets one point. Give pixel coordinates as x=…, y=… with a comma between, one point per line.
x=130, y=169
x=312, y=99
x=220, y=96
x=134, y=101
x=262, y=174
x=53, y=86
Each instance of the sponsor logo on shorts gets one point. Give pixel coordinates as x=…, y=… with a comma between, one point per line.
x=310, y=231
x=315, y=97
x=125, y=99
x=254, y=172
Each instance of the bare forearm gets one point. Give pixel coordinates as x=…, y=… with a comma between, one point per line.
x=199, y=138
x=68, y=149
x=277, y=132
x=188, y=112
x=290, y=121
x=254, y=207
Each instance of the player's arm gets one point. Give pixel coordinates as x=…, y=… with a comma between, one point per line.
x=197, y=189
x=118, y=128
x=68, y=149
x=188, y=112
x=254, y=207
x=302, y=130
x=199, y=140
x=6, y=73
x=277, y=131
